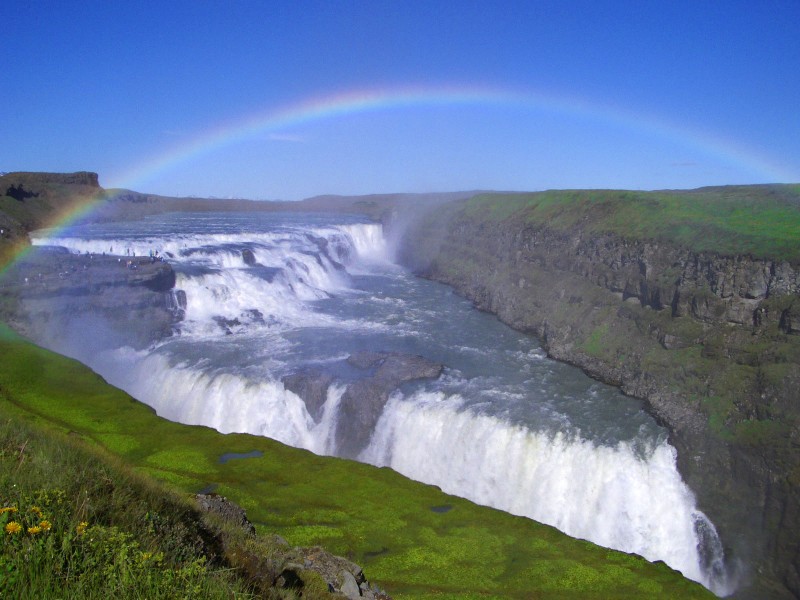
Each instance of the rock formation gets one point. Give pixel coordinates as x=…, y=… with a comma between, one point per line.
x=61, y=297
x=286, y=567
x=362, y=403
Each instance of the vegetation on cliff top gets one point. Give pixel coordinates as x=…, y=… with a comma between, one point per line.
x=762, y=221
x=412, y=538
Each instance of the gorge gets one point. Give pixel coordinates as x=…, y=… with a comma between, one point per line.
x=707, y=340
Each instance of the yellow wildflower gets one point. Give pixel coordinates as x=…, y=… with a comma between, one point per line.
x=11, y=509
x=45, y=525
x=13, y=527
x=81, y=527
x=34, y=530
x=37, y=510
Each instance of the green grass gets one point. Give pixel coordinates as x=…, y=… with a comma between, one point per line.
x=595, y=343
x=761, y=221
x=375, y=517
x=76, y=524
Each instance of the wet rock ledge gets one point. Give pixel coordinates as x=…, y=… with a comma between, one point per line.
x=52, y=294
x=377, y=375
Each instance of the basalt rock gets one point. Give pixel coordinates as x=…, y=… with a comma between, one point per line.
x=376, y=375
x=312, y=386
x=248, y=257
x=299, y=569
x=226, y=510
x=36, y=179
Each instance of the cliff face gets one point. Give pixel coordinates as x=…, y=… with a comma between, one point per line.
x=710, y=342
x=40, y=180
x=89, y=301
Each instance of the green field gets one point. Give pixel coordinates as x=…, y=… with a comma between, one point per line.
x=760, y=221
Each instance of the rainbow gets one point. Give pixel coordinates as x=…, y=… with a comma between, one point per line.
x=275, y=120
x=278, y=120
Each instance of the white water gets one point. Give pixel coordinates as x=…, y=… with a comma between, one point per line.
x=608, y=495
x=503, y=427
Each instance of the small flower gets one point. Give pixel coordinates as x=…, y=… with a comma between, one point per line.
x=45, y=525
x=13, y=527
x=34, y=530
x=81, y=527
x=11, y=509
x=37, y=511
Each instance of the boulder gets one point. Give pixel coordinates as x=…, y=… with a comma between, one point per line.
x=225, y=509
x=248, y=257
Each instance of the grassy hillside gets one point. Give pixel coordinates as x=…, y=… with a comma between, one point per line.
x=412, y=539
x=760, y=220
x=76, y=524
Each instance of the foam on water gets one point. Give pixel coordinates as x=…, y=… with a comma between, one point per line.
x=610, y=495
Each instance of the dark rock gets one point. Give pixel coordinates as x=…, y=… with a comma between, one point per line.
x=363, y=401
x=40, y=178
x=312, y=386
x=367, y=359
x=86, y=301
x=790, y=319
x=248, y=257
x=226, y=324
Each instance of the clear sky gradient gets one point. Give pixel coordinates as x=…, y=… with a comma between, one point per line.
x=258, y=99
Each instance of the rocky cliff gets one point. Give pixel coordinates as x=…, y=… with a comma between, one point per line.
x=709, y=339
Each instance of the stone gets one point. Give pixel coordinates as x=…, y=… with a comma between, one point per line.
x=312, y=387
x=225, y=509
x=349, y=587
x=248, y=257
x=363, y=401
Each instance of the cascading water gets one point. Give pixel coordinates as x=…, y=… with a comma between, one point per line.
x=266, y=296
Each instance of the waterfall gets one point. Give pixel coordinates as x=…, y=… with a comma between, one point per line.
x=260, y=299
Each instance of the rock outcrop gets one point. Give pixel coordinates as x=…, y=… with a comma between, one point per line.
x=281, y=566
x=37, y=179
x=709, y=341
x=312, y=386
x=378, y=374
x=363, y=401
x=88, y=301
x=226, y=510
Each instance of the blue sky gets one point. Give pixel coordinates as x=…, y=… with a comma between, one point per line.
x=265, y=99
